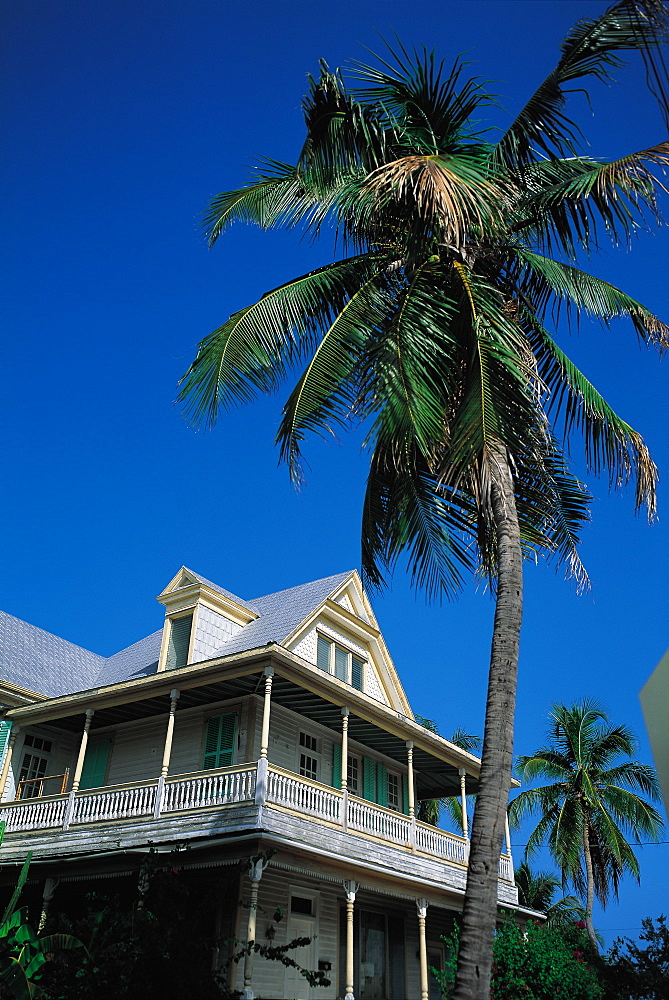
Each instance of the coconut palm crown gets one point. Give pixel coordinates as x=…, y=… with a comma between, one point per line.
x=458, y=251
x=595, y=801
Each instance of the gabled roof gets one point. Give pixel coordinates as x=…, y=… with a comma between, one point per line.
x=39, y=661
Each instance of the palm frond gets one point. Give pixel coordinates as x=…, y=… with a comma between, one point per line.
x=254, y=349
x=588, y=51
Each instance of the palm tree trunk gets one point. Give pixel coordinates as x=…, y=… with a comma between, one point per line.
x=480, y=906
x=590, y=882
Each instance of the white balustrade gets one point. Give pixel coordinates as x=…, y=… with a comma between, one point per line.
x=209, y=790
x=114, y=803
x=440, y=844
x=34, y=814
x=383, y=823
x=506, y=868
x=285, y=789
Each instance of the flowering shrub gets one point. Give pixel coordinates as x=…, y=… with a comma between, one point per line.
x=539, y=963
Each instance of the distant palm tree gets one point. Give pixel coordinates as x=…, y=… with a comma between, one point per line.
x=594, y=802
x=461, y=247
x=536, y=891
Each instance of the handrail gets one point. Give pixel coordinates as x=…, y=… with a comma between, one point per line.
x=47, y=777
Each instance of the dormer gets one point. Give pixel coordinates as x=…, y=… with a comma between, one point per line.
x=199, y=619
x=342, y=638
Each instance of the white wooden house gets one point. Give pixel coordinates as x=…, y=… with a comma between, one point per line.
x=239, y=729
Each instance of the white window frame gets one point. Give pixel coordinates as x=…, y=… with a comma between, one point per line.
x=336, y=644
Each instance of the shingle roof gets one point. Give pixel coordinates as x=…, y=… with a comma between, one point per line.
x=39, y=661
x=34, y=659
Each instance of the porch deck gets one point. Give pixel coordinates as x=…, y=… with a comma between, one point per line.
x=227, y=797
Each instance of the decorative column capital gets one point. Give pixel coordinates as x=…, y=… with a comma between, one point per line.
x=90, y=712
x=345, y=711
x=462, y=772
x=421, y=907
x=351, y=888
x=175, y=694
x=269, y=671
x=409, y=744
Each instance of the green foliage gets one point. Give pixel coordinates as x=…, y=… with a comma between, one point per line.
x=640, y=973
x=536, y=891
x=24, y=955
x=538, y=963
x=595, y=801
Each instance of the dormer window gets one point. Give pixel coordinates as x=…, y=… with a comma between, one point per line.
x=179, y=641
x=341, y=662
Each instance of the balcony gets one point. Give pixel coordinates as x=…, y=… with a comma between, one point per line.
x=246, y=797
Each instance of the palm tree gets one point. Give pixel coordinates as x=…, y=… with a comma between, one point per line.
x=536, y=891
x=434, y=331
x=593, y=803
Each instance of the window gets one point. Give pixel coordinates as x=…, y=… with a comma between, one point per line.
x=308, y=766
x=394, y=800
x=337, y=660
x=219, y=741
x=179, y=642
x=33, y=767
x=353, y=774
x=301, y=904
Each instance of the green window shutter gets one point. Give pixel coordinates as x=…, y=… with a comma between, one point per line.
x=177, y=649
x=357, y=666
x=405, y=795
x=336, y=765
x=95, y=764
x=323, y=654
x=5, y=730
x=341, y=663
x=369, y=779
x=381, y=784
x=219, y=741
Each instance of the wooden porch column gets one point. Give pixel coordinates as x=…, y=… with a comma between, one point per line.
x=264, y=736
x=507, y=834
x=255, y=874
x=411, y=794
x=78, y=768
x=412, y=803
x=82, y=749
x=8, y=760
x=463, y=801
x=261, y=771
x=344, y=767
x=167, y=753
x=421, y=907
x=351, y=889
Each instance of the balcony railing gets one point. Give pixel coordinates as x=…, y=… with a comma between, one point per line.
x=231, y=786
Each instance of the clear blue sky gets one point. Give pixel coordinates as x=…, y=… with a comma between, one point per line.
x=121, y=121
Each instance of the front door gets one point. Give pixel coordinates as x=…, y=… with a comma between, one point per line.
x=297, y=987
x=372, y=956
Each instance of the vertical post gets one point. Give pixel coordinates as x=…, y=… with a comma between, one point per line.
x=167, y=753
x=256, y=869
x=421, y=907
x=49, y=889
x=507, y=834
x=264, y=736
x=463, y=802
x=344, y=767
x=351, y=889
x=78, y=768
x=411, y=795
x=7, y=762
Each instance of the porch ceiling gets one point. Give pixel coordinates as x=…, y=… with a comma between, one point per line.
x=435, y=778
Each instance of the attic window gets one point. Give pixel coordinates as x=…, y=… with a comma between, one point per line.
x=179, y=642
x=341, y=662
